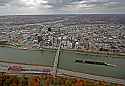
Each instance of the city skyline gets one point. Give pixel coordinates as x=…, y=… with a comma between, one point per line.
x=39, y=7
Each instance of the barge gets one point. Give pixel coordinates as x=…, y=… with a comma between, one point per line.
x=94, y=62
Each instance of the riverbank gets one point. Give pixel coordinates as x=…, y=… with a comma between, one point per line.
x=12, y=62
x=37, y=71
x=80, y=51
x=88, y=52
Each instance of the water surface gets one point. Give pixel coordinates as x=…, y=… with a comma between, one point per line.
x=66, y=61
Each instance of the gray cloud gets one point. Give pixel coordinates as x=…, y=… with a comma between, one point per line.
x=61, y=6
x=4, y=2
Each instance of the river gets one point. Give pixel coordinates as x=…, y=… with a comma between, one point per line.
x=66, y=61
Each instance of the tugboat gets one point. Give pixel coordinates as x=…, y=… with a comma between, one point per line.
x=79, y=61
x=94, y=62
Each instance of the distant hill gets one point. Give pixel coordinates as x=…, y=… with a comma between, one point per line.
x=70, y=19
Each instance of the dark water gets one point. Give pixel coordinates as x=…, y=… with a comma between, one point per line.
x=67, y=61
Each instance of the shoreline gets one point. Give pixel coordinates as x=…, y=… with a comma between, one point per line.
x=22, y=63
x=79, y=51
x=66, y=73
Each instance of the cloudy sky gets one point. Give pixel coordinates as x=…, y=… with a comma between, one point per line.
x=33, y=7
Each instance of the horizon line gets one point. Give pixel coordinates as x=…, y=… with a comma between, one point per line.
x=64, y=14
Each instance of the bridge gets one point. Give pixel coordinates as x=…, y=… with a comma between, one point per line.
x=56, y=61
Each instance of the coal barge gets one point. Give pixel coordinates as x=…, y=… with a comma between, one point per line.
x=94, y=62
